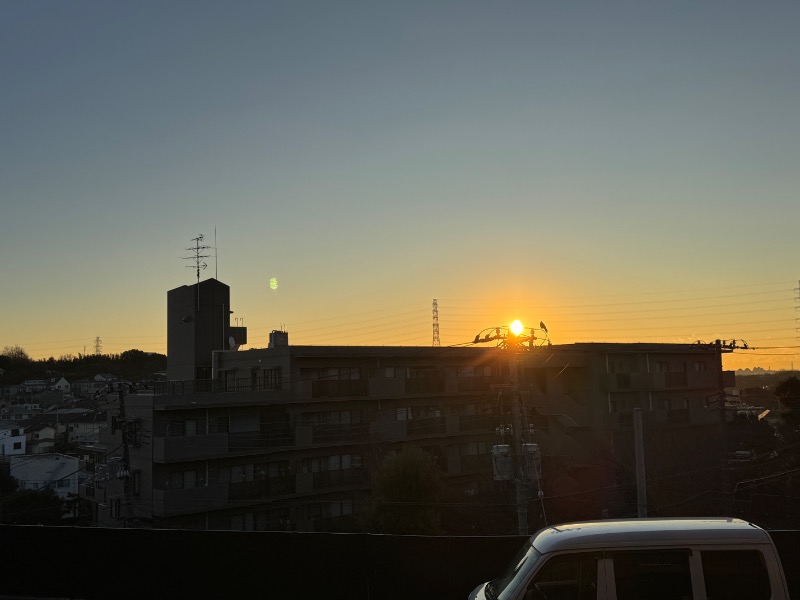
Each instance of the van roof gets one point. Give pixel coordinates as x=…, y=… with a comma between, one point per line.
x=647, y=531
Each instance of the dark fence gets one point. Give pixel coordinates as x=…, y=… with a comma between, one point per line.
x=95, y=563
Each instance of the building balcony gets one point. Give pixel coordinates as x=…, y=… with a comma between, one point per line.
x=469, y=423
x=678, y=417
x=203, y=447
x=170, y=502
x=339, y=388
x=336, y=433
x=476, y=462
x=622, y=382
x=424, y=385
x=213, y=386
x=430, y=426
x=260, y=489
x=333, y=479
x=189, y=447
x=282, y=436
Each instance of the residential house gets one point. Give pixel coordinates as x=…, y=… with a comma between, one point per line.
x=57, y=471
x=12, y=439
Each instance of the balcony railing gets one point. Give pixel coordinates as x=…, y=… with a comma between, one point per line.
x=329, y=433
x=482, y=383
x=208, y=386
x=263, y=488
x=476, y=462
x=326, y=479
x=675, y=379
x=339, y=388
x=428, y=426
x=479, y=422
x=678, y=416
x=425, y=385
x=275, y=437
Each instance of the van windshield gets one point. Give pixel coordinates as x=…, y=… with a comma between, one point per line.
x=520, y=566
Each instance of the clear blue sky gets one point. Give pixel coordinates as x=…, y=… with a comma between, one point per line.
x=624, y=171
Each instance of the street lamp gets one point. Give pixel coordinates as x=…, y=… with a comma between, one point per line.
x=514, y=340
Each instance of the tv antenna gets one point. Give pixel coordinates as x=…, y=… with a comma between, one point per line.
x=198, y=257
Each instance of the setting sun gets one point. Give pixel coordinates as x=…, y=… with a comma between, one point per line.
x=516, y=327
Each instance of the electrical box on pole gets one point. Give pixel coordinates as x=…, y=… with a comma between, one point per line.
x=533, y=462
x=503, y=462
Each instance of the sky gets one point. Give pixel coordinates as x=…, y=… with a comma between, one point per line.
x=620, y=171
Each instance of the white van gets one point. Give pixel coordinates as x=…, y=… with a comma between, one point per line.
x=643, y=559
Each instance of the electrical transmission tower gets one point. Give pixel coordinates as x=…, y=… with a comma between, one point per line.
x=98, y=345
x=198, y=260
x=797, y=308
x=435, y=322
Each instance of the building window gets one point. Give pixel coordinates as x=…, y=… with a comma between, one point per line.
x=700, y=366
x=17, y=445
x=405, y=413
x=331, y=374
x=218, y=424
x=176, y=429
x=420, y=372
x=272, y=378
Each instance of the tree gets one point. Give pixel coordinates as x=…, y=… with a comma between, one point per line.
x=788, y=392
x=15, y=353
x=405, y=491
x=33, y=507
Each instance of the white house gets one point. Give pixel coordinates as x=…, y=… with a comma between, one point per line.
x=41, y=437
x=12, y=439
x=57, y=471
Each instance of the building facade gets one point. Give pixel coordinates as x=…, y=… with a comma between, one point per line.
x=287, y=437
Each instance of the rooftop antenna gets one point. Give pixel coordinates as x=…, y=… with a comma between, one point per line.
x=199, y=263
x=216, y=274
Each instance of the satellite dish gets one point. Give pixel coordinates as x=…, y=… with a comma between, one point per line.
x=232, y=343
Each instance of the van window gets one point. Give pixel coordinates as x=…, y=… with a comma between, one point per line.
x=566, y=577
x=653, y=574
x=504, y=586
x=735, y=575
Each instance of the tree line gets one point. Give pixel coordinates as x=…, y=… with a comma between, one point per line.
x=17, y=365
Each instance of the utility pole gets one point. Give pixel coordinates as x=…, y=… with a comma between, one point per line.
x=641, y=480
x=723, y=423
x=519, y=456
x=512, y=344
x=127, y=495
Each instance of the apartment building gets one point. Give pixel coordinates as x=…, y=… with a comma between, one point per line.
x=287, y=437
